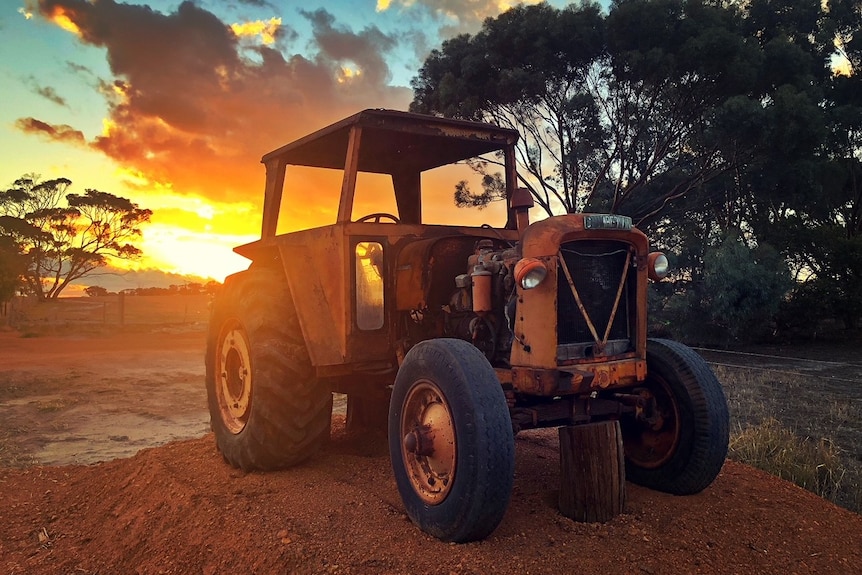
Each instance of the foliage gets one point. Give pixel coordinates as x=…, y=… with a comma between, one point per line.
x=95, y=291
x=493, y=189
x=192, y=288
x=63, y=236
x=12, y=266
x=700, y=119
x=743, y=287
x=615, y=112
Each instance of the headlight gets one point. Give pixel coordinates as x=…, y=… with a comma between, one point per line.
x=657, y=266
x=529, y=272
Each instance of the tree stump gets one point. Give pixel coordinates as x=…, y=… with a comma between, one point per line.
x=592, y=472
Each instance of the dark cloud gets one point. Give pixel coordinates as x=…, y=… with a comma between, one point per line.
x=256, y=3
x=78, y=68
x=58, y=132
x=47, y=92
x=193, y=107
x=339, y=44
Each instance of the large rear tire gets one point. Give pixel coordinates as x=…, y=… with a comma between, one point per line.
x=451, y=441
x=267, y=410
x=681, y=445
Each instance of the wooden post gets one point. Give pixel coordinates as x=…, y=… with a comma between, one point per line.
x=592, y=472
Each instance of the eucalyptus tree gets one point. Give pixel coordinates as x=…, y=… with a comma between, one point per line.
x=63, y=237
x=617, y=112
x=705, y=120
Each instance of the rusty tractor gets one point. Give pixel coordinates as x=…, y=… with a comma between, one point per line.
x=449, y=338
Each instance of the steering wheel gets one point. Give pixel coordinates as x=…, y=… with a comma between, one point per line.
x=376, y=217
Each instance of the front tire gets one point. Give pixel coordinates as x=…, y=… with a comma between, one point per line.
x=451, y=441
x=267, y=410
x=681, y=445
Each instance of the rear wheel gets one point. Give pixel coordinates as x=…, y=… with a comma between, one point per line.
x=267, y=409
x=450, y=441
x=680, y=443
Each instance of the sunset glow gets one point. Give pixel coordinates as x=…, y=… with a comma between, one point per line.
x=266, y=30
x=347, y=73
x=61, y=18
x=172, y=105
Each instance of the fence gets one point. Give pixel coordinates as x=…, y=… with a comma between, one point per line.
x=110, y=310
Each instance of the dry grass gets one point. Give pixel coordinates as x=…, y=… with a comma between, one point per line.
x=797, y=428
x=815, y=465
x=10, y=453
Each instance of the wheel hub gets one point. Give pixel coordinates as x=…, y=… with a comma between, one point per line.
x=653, y=439
x=233, y=389
x=428, y=442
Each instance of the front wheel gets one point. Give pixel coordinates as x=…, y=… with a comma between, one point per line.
x=451, y=441
x=679, y=444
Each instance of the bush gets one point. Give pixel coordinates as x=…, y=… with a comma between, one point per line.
x=743, y=288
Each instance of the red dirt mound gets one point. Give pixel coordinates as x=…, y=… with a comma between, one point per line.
x=180, y=509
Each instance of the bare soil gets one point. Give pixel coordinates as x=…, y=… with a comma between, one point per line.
x=110, y=468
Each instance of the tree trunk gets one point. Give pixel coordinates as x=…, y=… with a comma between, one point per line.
x=592, y=472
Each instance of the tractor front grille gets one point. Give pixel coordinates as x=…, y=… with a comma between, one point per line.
x=596, y=268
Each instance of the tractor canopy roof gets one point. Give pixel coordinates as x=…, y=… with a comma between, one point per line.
x=394, y=142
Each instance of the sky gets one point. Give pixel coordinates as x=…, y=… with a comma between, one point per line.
x=172, y=104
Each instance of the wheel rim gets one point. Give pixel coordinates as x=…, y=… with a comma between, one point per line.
x=428, y=442
x=651, y=444
x=233, y=389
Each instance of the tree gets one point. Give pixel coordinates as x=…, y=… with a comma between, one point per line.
x=63, y=237
x=615, y=113
x=744, y=287
x=12, y=267
x=95, y=291
x=701, y=119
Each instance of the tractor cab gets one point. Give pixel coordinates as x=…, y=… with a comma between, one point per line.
x=346, y=268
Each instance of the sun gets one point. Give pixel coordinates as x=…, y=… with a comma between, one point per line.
x=205, y=254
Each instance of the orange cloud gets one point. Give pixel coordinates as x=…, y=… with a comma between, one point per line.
x=64, y=19
x=266, y=30
x=189, y=109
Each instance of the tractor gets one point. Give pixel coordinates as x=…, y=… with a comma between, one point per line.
x=448, y=339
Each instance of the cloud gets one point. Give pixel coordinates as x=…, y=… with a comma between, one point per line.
x=258, y=3
x=193, y=107
x=365, y=49
x=46, y=92
x=58, y=132
x=456, y=16
x=265, y=30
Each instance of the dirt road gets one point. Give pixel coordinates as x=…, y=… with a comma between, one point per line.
x=85, y=399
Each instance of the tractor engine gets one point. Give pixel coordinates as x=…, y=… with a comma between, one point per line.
x=482, y=308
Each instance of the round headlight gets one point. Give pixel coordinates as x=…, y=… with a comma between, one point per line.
x=530, y=272
x=658, y=266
